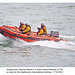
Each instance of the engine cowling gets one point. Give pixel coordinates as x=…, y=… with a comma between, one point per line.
x=54, y=34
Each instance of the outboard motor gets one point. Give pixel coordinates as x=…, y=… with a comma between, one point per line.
x=54, y=34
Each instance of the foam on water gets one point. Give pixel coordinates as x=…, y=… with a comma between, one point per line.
x=59, y=45
x=68, y=37
x=2, y=39
x=70, y=45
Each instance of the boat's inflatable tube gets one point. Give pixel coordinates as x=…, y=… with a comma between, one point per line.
x=15, y=33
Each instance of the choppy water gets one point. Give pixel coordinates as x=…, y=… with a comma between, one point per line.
x=18, y=53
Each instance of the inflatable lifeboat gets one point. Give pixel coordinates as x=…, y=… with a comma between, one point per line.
x=15, y=33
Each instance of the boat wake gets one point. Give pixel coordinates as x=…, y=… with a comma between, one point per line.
x=70, y=38
x=69, y=45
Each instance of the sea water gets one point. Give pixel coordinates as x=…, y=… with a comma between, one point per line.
x=56, y=16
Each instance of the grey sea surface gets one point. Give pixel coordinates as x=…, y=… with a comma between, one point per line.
x=56, y=16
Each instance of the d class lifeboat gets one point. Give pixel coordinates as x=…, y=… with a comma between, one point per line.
x=15, y=33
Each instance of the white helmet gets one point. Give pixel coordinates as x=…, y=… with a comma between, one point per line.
x=38, y=27
x=26, y=23
x=21, y=23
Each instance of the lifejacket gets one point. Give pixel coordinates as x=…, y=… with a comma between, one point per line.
x=21, y=27
x=28, y=26
x=44, y=29
x=27, y=29
x=40, y=32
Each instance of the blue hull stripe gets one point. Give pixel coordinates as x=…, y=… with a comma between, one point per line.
x=15, y=35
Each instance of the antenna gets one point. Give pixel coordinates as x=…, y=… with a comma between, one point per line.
x=59, y=26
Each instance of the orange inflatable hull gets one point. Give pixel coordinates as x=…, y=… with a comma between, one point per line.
x=15, y=33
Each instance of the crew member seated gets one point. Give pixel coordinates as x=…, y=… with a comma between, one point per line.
x=22, y=26
x=40, y=31
x=44, y=28
x=27, y=29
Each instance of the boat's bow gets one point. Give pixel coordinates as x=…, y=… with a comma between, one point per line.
x=1, y=29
